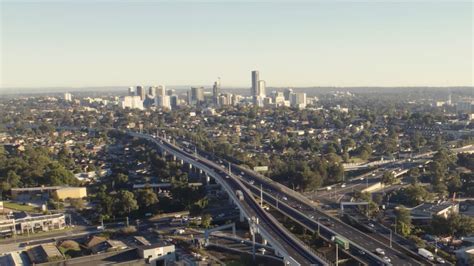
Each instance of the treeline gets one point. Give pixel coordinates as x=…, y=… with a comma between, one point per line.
x=33, y=167
x=306, y=174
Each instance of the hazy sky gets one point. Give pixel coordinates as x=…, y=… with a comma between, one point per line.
x=319, y=43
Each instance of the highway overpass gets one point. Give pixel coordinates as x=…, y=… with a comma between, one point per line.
x=286, y=245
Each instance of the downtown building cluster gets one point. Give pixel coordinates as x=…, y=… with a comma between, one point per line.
x=139, y=97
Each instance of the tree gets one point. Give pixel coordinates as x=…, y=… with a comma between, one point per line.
x=206, y=220
x=120, y=180
x=411, y=195
x=77, y=204
x=414, y=174
x=403, y=220
x=453, y=225
x=146, y=198
x=388, y=178
x=125, y=202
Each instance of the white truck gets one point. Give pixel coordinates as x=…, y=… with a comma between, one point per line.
x=239, y=194
x=426, y=254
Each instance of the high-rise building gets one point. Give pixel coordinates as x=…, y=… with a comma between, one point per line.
x=132, y=91
x=132, y=102
x=171, y=92
x=216, y=90
x=67, y=97
x=141, y=92
x=152, y=91
x=160, y=91
x=298, y=100
x=255, y=78
x=197, y=96
x=287, y=93
x=278, y=98
x=173, y=101
x=261, y=88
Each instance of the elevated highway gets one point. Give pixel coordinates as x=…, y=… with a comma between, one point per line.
x=301, y=209
x=293, y=250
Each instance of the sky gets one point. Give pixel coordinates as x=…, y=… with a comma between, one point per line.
x=312, y=43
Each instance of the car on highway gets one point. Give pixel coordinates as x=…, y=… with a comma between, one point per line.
x=440, y=260
x=380, y=251
x=328, y=188
x=251, y=182
x=284, y=198
x=371, y=225
x=361, y=252
x=387, y=259
x=343, y=185
x=326, y=221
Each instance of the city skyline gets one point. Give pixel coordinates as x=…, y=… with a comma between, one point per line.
x=318, y=44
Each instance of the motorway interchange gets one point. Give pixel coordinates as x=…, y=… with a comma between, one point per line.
x=366, y=248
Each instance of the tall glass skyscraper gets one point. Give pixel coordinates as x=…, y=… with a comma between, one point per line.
x=254, y=91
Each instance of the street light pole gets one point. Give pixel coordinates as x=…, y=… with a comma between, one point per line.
x=390, y=237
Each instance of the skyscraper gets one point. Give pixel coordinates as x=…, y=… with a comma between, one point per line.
x=216, y=90
x=261, y=88
x=152, y=91
x=287, y=93
x=197, y=96
x=161, y=90
x=255, y=78
x=141, y=92
x=131, y=91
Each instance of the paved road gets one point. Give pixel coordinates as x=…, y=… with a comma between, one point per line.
x=280, y=236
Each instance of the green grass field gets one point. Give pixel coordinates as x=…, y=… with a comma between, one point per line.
x=18, y=207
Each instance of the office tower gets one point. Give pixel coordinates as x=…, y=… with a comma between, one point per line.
x=287, y=93
x=132, y=102
x=132, y=91
x=197, y=96
x=67, y=96
x=255, y=78
x=465, y=106
x=216, y=90
x=278, y=98
x=166, y=102
x=152, y=91
x=161, y=91
x=261, y=88
x=298, y=100
x=173, y=101
x=141, y=92
x=171, y=92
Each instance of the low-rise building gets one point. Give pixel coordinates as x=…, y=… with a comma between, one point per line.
x=70, y=192
x=27, y=223
x=426, y=211
x=44, y=253
x=61, y=192
x=162, y=251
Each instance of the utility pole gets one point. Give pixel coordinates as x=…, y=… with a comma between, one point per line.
x=230, y=170
x=127, y=221
x=337, y=254
x=390, y=237
x=261, y=196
